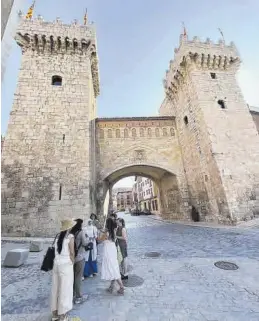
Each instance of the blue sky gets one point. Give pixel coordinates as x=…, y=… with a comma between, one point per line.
x=136, y=40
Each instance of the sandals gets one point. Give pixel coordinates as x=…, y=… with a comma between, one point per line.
x=120, y=291
x=110, y=289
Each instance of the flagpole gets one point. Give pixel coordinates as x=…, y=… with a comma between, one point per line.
x=222, y=35
x=85, y=17
x=184, y=29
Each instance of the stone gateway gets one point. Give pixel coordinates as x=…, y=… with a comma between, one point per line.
x=60, y=160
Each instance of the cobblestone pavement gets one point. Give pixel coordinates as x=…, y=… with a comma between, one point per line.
x=182, y=284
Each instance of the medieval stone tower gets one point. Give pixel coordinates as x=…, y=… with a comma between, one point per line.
x=218, y=138
x=48, y=153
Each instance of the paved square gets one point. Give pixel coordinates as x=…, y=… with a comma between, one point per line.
x=181, y=284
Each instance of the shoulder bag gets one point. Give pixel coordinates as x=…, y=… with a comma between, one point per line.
x=48, y=261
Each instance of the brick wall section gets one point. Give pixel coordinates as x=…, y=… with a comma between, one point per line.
x=46, y=160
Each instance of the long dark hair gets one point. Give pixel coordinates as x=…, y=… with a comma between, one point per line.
x=93, y=216
x=74, y=230
x=110, y=226
x=122, y=222
x=60, y=240
x=77, y=228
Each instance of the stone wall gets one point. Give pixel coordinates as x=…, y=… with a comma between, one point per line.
x=255, y=115
x=6, y=8
x=2, y=143
x=47, y=158
x=9, y=23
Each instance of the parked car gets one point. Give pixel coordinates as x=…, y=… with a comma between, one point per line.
x=135, y=212
x=147, y=212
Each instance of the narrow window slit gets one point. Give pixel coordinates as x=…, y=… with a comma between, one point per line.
x=60, y=192
x=64, y=136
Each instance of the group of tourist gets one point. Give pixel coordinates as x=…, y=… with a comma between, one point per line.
x=76, y=259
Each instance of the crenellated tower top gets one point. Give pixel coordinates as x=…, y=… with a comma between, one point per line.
x=195, y=54
x=56, y=38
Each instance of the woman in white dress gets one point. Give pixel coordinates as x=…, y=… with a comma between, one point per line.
x=110, y=266
x=91, y=255
x=63, y=273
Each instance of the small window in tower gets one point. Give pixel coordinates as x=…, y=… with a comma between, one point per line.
x=222, y=104
x=185, y=119
x=56, y=81
x=213, y=75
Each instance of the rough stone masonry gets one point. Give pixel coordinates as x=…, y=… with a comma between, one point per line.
x=46, y=160
x=59, y=160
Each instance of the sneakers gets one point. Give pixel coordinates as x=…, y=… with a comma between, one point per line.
x=120, y=291
x=83, y=278
x=82, y=299
x=55, y=317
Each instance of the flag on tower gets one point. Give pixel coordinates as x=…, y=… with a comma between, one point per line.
x=30, y=11
x=184, y=30
x=85, y=17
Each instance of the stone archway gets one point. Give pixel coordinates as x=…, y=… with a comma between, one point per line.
x=173, y=204
x=146, y=147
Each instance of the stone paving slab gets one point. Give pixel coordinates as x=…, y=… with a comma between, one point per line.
x=181, y=284
x=252, y=224
x=26, y=239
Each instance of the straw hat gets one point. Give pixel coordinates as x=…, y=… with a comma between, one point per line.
x=67, y=224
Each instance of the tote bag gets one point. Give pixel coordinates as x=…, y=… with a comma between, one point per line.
x=48, y=261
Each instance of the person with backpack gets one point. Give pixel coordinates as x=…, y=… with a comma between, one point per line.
x=80, y=244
